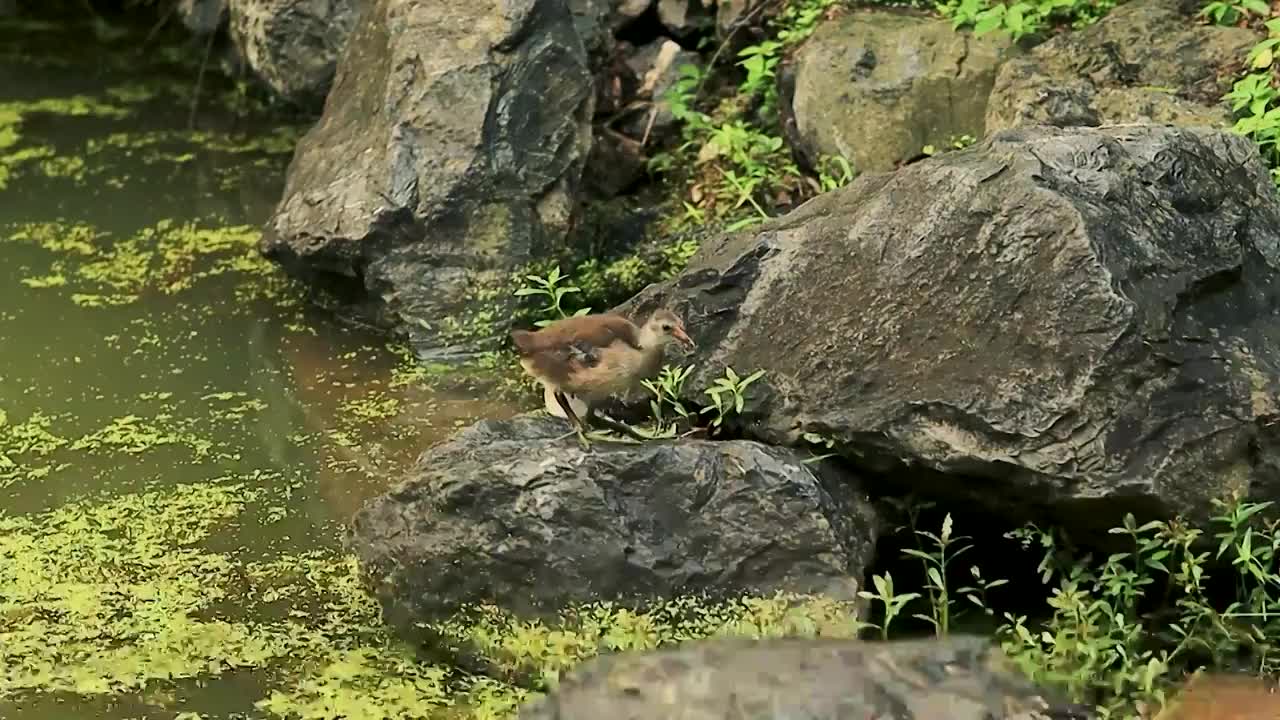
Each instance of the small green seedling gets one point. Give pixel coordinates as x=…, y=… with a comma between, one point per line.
x=666, y=389
x=551, y=288
x=727, y=395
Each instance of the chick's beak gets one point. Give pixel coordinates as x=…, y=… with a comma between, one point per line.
x=679, y=334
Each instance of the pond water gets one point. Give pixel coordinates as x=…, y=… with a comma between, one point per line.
x=181, y=434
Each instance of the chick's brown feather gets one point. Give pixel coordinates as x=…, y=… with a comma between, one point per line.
x=596, y=331
x=570, y=346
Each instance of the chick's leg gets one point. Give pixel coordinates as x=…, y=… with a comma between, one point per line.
x=618, y=427
x=580, y=427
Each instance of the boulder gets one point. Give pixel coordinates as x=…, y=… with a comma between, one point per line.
x=513, y=513
x=1080, y=321
x=293, y=45
x=732, y=14
x=616, y=163
x=685, y=18
x=200, y=17
x=877, y=86
x=598, y=21
x=450, y=150
x=958, y=678
x=1146, y=61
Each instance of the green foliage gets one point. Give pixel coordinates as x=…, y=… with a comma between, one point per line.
x=736, y=166
x=834, y=172
x=666, y=407
x=935, y=561
x=1230, y=12
x=1253, y=99
x=891, y=602
x=546, y=650
x=821, y=441
x=551, y=288
x=1023, y=18
x=955, y=143
x=1120, y=632
x=606, y=283
x=1102, y=639
x=671, y=416
x=728, y=395
x=935, y=554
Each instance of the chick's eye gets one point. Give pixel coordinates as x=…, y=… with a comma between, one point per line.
x=666, y=328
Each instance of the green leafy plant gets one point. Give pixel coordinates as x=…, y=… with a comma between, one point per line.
x=834, y=171
x=1022, y=18
x=551, y=288
x=890, y=602
x=728, y=395
x=958, y=142
x=1230, y=12
x=821, y=441
x=735, y=169
x=667, y=408
x=935, y=561
x=1109, y=636
x=760, y=62
x=1253, y=99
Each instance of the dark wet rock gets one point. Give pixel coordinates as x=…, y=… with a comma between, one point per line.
x=685, y=18
x=733, y=14
x=628, y=11
x=293, y=45
x=595, y=21
x=878, y=86
x=959, y=678
x=450, y=149
x=198, y=16
x=515, y=514
x=616, y=163
x=1080, y=321
x=1146, y=61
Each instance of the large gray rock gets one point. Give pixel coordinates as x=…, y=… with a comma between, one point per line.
x=515, y=514
x=876, y=87
x=293, y=45
x=450, y=149
x=198, y=16
x=685, y=18
x=598, y=20
x=1086, y=320
x=1146, y=61
x=959, y=678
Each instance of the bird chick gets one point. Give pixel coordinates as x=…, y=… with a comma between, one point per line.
x=1218, y=696
x=595, y=357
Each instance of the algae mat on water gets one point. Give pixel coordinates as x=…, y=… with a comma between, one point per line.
x=109, y=597
x=179, y=437
x=164, y=259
